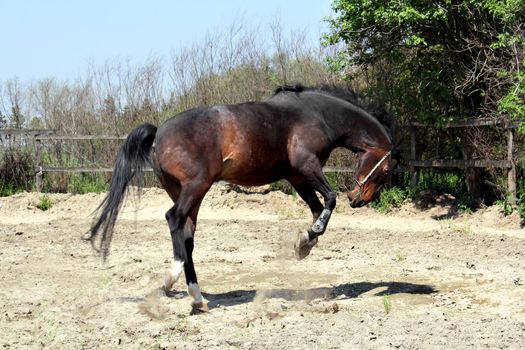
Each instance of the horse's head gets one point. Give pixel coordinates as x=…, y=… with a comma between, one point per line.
x=374, y=169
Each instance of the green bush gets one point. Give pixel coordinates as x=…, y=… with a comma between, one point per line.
x=45, y=203
x=334, y=181
x=440, y=182
x=506, y=205
x=521, y=204
x=7, y=189
x=389, y=199
x=87, y=183
x=436, y=182
x=17, y=171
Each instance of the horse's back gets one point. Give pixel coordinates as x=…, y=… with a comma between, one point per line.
x=244, y=143
x=254, y=142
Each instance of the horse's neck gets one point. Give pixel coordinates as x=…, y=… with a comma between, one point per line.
x=355, y=129
x=348, y=125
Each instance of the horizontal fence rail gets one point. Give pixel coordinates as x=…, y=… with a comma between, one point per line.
x=38, y=136
x=460, y=163
x=78, y=137
x=508, y=125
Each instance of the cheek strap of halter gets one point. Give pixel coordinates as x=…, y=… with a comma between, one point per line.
x=362, y=183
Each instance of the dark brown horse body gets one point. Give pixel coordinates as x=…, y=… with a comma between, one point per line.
x=288, y=136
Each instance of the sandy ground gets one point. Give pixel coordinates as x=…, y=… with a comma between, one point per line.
x=411, y=279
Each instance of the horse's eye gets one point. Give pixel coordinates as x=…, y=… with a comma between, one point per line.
x=387, y=171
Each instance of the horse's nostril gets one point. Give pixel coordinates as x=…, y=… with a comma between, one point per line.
x=356, y=202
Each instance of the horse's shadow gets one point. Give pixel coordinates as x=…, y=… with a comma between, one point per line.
x=342, y=291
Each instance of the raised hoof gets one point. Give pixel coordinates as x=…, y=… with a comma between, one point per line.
x=303, y=245
x=199, y=308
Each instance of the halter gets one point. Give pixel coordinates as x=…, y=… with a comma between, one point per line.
x=367, y=177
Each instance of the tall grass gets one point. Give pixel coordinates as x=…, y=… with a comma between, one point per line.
x=17, y=170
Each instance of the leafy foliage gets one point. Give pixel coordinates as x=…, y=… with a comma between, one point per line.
x=87, y=183
x=458, y=59
x=16, y=170
x=506, y=205
x=521, y=202
x=439, y=182
x=389, y=199
x=45, y=203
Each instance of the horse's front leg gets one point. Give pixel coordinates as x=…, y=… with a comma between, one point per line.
x=321, y=214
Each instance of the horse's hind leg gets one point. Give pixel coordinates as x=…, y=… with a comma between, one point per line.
x=198, y=304
x=182, y=219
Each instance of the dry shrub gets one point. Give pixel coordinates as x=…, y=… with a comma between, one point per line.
x=17, y=171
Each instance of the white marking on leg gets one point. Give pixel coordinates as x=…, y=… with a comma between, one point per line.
x=305, y=238
x=195, y=292
x=173, y=274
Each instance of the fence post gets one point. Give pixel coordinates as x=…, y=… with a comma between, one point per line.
x=511, y=175
x=413, y=156
x=38, y=161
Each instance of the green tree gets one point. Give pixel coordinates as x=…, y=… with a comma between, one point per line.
x=434, y=59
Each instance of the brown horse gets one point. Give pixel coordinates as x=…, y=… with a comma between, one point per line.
x=288, y=136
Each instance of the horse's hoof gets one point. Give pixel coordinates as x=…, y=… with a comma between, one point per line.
x=303, y=245
x=169, y=281
x=86, y=236
x=165, y=291
x=199, y=308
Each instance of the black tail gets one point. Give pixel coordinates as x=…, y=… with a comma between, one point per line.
x=132, y=158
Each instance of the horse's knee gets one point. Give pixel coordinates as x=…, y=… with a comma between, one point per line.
x=170, y=214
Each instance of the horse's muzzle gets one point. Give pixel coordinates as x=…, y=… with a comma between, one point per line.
x=355, y=200
x=357, y=203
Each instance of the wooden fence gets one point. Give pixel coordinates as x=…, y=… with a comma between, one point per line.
x=414, y=164
x=41, y=169
x=39, y=136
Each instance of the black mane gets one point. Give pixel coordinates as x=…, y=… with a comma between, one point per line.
x=291, y=88
x=376, y=110
x=345, y=94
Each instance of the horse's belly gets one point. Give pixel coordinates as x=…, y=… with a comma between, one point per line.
x=252, y=173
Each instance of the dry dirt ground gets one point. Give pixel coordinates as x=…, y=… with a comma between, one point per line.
x=411, y=279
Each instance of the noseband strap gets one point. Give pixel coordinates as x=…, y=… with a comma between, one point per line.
x=362, y=183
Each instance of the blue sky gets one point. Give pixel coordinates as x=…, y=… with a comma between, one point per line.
x=60, y=38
